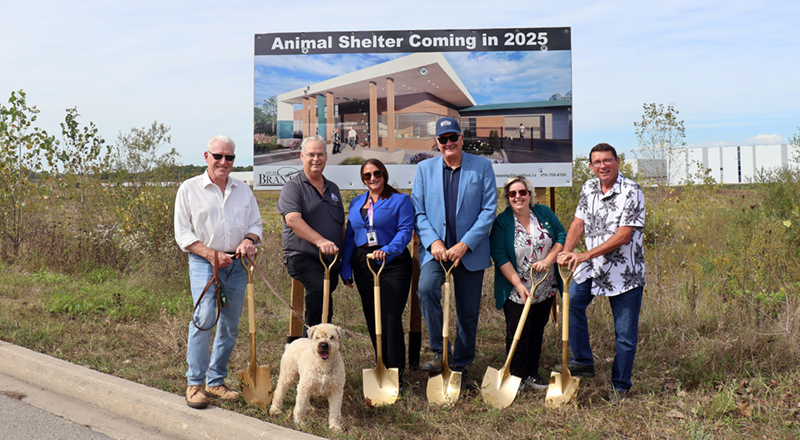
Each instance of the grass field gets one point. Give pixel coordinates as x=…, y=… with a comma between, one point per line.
x=718, y=355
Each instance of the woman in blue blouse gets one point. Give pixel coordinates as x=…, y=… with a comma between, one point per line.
x=381, y=222
x=525, y=235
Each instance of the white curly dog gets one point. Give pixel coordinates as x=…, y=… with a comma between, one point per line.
x=318, y=362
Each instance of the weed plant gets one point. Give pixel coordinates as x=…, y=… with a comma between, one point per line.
x=719, y=337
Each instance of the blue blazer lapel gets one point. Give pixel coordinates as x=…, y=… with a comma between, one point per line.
x=466, y=170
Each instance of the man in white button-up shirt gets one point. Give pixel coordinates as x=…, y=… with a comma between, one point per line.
x=216, y=220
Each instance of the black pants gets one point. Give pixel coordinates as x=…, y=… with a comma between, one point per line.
x=526, y=358
x=309, y=271
x=395, y=281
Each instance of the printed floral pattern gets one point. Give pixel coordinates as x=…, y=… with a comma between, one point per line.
x=603, y=214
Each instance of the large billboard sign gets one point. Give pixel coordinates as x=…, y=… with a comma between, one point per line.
x=378, y=94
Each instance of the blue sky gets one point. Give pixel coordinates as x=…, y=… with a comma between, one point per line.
x=490, y=77
x=730, y=67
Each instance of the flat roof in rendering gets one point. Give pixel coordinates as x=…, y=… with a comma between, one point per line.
x=417, y=73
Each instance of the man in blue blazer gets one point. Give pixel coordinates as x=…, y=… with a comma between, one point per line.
x=455, y=202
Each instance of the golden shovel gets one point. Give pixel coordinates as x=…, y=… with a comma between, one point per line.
x=381, y=384
x=499, y=388
x=326, y=286
x=255, y=381
x=563, y=387
x=444, y=388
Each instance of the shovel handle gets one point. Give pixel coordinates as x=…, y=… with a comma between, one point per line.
x=522, y=319
x=326, y=286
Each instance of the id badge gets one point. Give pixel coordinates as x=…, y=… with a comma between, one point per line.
x=372, y=238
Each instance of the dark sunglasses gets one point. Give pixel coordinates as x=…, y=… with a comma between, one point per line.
x=368, y=176
x=522, y=193
x=453, y=138
x=228, y=157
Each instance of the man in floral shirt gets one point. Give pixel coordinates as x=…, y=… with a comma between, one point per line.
x=610, y=213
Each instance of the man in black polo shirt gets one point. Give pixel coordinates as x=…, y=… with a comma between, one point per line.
x=313, y=217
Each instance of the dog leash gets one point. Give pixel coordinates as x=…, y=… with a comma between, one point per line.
x=221, y=299
x=263, y=278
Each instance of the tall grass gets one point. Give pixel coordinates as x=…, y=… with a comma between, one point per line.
x=719, y=333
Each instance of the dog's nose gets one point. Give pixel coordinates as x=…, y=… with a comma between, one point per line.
x=323, y=346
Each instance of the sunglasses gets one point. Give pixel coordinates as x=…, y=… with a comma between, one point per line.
x=228, y=157
x=452, y=138
x=522, y=193
x=368, y=176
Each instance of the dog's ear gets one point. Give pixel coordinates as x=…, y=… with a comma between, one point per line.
x=341, y=333
x=310, y=332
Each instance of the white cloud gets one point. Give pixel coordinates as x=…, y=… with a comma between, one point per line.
x=764, y=139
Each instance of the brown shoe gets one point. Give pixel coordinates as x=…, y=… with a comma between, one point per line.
x=195, y=397
x=221, y=392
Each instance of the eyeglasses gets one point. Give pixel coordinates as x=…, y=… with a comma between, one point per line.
x=368, y=176
x=228, y=157
x=605, y=162
x=522, y=193
x=452, y=138
x=315, y=155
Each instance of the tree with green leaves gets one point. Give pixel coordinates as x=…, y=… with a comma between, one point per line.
x=265, y=116
x=138, y=156
x=661, y=137
x=83, y=157
x=143, y=204
x=26, y=151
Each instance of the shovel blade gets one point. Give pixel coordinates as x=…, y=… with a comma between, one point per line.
x=499, y=392
x=444, y=389
x=563, y=390
x=259, y=392
x=381, y=389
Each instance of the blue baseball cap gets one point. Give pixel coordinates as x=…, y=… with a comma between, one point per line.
x=447, y=125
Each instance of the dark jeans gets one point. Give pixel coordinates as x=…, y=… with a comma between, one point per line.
x=529, y=348
x=625, y=309
x=309, y=271
x=467, y=288
x=395, y=281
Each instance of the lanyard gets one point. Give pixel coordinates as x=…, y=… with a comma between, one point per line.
x=370, y=211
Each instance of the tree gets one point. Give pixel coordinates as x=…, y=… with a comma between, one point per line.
x=661, y=135
x=144, y=205
x=25, y=151
x=82, y=161
x=266, y=116
x=137, y=153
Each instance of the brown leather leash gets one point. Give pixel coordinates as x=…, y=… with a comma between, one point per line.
x=221, y=299
x=263, y=278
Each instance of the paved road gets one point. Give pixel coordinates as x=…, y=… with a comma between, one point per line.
x=21, y=421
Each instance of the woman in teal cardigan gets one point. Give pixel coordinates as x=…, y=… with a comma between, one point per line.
x=525, y=235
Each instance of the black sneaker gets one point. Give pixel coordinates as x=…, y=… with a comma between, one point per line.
x=467, y=384
x=537, y=382
x=435, y=365
x=577, y=369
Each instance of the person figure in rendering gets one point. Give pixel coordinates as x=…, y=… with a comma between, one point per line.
x=381, y=222
x=455, y=201
x=217, y=221
x=337, y=144
x=521, y=131
x=351, y=137
x=313, y=216
x=610, y=213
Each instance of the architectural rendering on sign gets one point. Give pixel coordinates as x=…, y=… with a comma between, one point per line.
x=514, y=106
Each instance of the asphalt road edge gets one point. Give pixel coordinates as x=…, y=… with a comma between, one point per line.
x=162, y=411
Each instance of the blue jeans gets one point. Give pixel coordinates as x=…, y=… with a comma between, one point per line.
x=625, y=307
x=213, y=369
x=466, y=289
